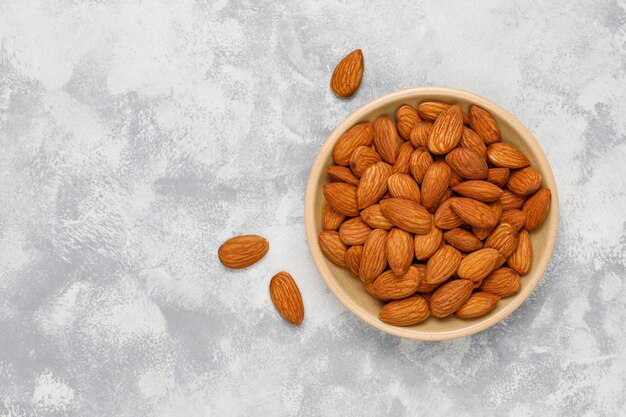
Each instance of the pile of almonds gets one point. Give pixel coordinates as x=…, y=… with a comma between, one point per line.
x=426, y=210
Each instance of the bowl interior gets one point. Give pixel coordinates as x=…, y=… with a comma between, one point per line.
x=349, y=290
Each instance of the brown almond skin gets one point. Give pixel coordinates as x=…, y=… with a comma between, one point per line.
x=525, y=182
x=445, y=217
x=354, y=231
x=406, y=119
x=477, y=265
x=386, y=140
x=342, y=197
x=474, y=213
x=431, y=110
x=471, y=140
x=510, y=200
x=358, y=135
x=362, y=158
x=419, y=163
x=507, y=156
x=347, y=75
x=463, y=240
x=374, y=258
x=503, y=282
x=373, y=184
x=504, y=238
x=374, y=216
x=402, y=165
x=498, y=176
x=391, y=286
x=479, y=190
x=434, y=185
x=537, y=207
x=484, y=125
x=405, y=312
x=455, y=179
x=403, y=186
x=399, y=250
x=449, y=297
x=483, y=232
x=353, y=259
x=331, y=219
x=515, y=217
x=407, y=215
x=479, y=304
x=333, y=247
x=427, y=244
x=342, y=174
x=447, y=130
x=242, y=251
x=443, y=264
x=522, y=258
x=420, y=133
x=467, y=163
x=286, y=298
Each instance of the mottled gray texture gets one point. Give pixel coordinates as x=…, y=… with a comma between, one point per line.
x=137, y=136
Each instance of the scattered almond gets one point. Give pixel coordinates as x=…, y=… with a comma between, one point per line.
x=286, y=298
x=242, y=251
x=347, y=75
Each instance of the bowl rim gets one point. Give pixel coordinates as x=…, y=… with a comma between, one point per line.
x=310, y=221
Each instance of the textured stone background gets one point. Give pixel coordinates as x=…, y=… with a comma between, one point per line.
x=136, y=136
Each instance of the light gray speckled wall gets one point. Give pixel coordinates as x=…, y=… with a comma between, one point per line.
x=136, y=136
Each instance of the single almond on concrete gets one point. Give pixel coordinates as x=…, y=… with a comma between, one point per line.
x=443, y=264
x=403, y=160
x=510, y=200
x=286, y=298
x=407, y=215
x=474, y=212
x=479, y=190
x=342, y=174
x=445, y=217
x=399, y=250
x=373, y=184
x=405, y=312
x=507, y=156
x=477, y=265
x=347, y=75
x=522, y=258
x=427, y=244
x=353, y=259
x=374, y=258
x=450, y=297
x=434, y=185
x=467, y=163
x=524, y=182
x=503, y=282
x=471, y=140
x=504, y=238
x=342, y=198
x=333, y=247
x=386, y=140
x=463, y=240
x=358, y=135
x=498, y=176
x=374, y=216
x=331, y=219
x=515, y=217
x=447, y=130
x=242, y=251
x=484, y=125
x=362, y=158
x=390, y=286
x=479, y=304
x=420, y=134
x=537, y=207
x=406, y=119
x=403, y=186
x=419, y=163
x=354, y=231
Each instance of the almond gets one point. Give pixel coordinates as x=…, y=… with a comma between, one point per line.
x=390, y=286
x=374, y=259
x=331, y=219
x=420, y=133
x=507, y=156
x=373, y=184
x=374, y=216
x=484, y=125
x=471, y=140
x=450, y=297
x=474, y=212
x=434, y=185
x=399, y=250
x=347, y=75
x=426, y=245
x=442, y=265
x=445, y=217
x=353, y=259
x=405, y=312
x=354, y=231
x=524, y=182
x=404, y=158
x=537, y=207
x=403, y=186
x=522, y=258
x=431, y=110
x=342, y=198
x=479, y=190
x=447, y=130
x=498, y=176
x=503, y=282
x=462, y=240
x=286, y=298
x=242, y=251
x=406, y=119
x=358, y=135
x=386, y=140
x=479, y=304
x=510, y=200
x=514, y=217
x=407, y=215
x=477, y=265
x=504, y=238
x=362, y=158
x=467, y=163
x=333, y=247
x=342, y=174
x=420, y=161
x=483, y=232
x=425, y=288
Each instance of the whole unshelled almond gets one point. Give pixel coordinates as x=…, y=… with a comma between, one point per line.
x=242, y=251
x=447, y=130
x=403, y=186
x=504, y=238
x=407, y=215
x=386, y=140
x=333, y=247
x=450, y=297
x=374, y=216
x=537, y=207
x=514, y=217
x=399, y=250
x=342, y=174
x=484, y=125
x=427, y=244
x=347, y=75
x=342, y=198
x=431, y=110
x=331, y=219
x=510, y=200
x=479, y=190
x=471, y=140
x=479, y=304
x=390, y=286
x=463, y=240
x=435, y=184
x=374, y=259
x=483, y=232
x=286, y=298
x=419, y=163
x=358, y=135
x=362, y=158
x=420, y=133
x=442, y=265
x=503, y=282
x=373, y=184
x=354, y=231
x=507, y=156
x=353, y=259
x=406, y=119
x=498, y=176
x=445, y=217
x=405, y=312
x=524, y=182
x=477, y=265
x=474, y=212
x=403, y=160
x=467, y=163
x=522, y=258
